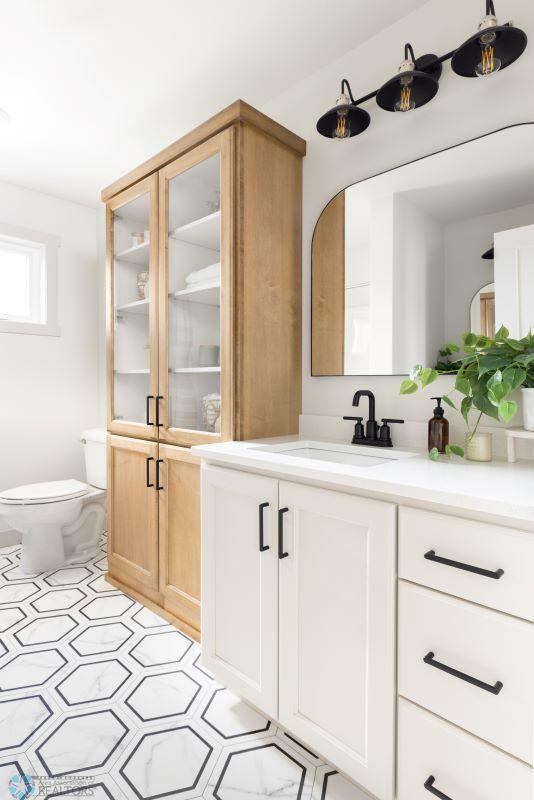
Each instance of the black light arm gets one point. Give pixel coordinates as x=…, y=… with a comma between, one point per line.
x=490, y=8
x=346, y=85
x=408, y=52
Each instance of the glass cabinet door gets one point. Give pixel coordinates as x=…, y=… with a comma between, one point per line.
x=195, y=286
x=132, y=247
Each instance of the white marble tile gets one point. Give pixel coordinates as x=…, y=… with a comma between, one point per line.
x=231, y=718
x=58, y=599
x=147, y=619
x=28, y=670
x=105, y=607
x=82, y=743
x=10, y=617
x=100, y=584
x=16, y=574
x=68, y=576
x=20, y=719
x=17, y=592
x=155, y=649
x=99, y=639
x=331, y=785
x=94, y=682
x=45, y=630
x=16, y=782
x=173, y=762
x=163, y=695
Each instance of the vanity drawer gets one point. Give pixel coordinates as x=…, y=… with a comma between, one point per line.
x=505, y=556
x=477, y=644
x=462, y=766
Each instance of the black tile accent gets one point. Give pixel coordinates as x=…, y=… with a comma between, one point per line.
x=325, y=783
x=234, y=735
x=299, y=744
x=78, y=791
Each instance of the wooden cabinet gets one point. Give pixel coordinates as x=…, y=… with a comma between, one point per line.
x=133, y=507
x=240, y=583
x=204, y=325
x=316, y=610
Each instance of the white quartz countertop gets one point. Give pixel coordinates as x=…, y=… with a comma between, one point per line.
x=494, y=488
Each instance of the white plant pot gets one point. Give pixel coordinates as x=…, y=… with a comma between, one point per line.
x=478, y=446
x=527, y=396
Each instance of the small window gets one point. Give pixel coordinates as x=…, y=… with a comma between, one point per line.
x=28, y=282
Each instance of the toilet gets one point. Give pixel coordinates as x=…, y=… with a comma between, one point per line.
x=60, y=521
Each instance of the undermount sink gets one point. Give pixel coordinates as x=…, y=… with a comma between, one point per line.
x=353, y=455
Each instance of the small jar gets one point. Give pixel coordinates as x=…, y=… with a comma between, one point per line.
x=478, y=446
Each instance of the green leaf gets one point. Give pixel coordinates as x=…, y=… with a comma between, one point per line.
x=489, y=363
x=428, y=375
x=507, y=409
x=455, y=449
x=465, y=408
x=434, y=454
x=462, y=385
x=408, y=387
x=525, y=359
x=448, y=401
x=515, y=345
x=451, y=347
x=416, y=371
x=502, y=333
x=469, y=339
x=483, y=403
x=515, y=376
x=483, y=342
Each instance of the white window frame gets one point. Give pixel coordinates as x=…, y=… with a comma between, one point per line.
x=43, y=250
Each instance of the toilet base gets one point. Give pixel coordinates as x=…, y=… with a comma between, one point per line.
x=42, y=549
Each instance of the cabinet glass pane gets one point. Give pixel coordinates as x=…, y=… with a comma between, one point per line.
x=194, y=284
x=131, y=250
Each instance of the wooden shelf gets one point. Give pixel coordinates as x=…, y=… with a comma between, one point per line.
x=139, y=254
x=132, y=372
x=136, y=307
x=203, y=232
x=208, y=293
x=195, y=370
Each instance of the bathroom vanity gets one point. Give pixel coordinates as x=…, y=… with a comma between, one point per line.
x=380, y=607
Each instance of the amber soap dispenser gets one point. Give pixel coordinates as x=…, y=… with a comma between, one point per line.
x=438, y=428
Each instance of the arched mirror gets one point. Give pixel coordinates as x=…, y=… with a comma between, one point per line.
x=399, y=259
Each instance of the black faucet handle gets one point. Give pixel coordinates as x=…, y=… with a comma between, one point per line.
x=386, y=421
x=385, y=432
x=358, y=419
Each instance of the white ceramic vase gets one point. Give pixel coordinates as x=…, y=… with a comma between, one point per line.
x=478, y=446
x=527, y=396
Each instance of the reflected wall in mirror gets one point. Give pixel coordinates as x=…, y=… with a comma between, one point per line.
x=397, y=259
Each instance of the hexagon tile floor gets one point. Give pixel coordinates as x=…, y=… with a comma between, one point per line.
x=101, y=698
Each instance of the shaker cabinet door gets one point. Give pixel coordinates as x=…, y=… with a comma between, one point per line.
x=240, y=583
x=133, y=513
x=337, y=630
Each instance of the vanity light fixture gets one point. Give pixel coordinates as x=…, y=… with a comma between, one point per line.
x=489, y=255
x=492, y=48
x=346, y=119
x=412, y=86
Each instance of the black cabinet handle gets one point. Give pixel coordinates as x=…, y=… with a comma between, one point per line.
x=429, y=786
x=281, y=512
x=159, y=487
x=495, y=689
x=262, y=545
x=149, y=397
x=148, y=484
x=158, y=398
x=496, y=574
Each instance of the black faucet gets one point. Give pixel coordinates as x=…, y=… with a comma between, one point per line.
x=378, y=436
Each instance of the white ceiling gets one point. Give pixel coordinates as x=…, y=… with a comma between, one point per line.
x=96, y=86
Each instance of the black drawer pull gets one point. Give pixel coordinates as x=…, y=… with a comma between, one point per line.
x=495, y=689
x=148, y=484
x=263, y=546
x=429, y=786
x=158, y=398
x=431, y=556
x=159, y=487
x=281, y=512
x=149, y=397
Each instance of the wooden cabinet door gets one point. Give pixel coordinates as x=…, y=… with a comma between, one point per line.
x=132, y=308
x=337, y=630
x=240, y=583
x=196, y=241
x=179, y=534
x=133, y=513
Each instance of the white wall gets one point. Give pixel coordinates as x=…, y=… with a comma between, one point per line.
x=463, y=108
x=50, y=385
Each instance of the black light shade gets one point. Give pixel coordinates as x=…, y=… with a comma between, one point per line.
x=509, y=43
x=423, y=87
x=489, y=255
x=356, y=120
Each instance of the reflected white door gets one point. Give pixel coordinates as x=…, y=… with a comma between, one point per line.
x=514, y=280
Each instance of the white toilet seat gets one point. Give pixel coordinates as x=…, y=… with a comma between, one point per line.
x=46, y=492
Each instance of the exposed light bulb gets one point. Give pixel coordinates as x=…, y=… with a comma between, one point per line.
x=341, y=125
x=489, y=64
x=405, y=101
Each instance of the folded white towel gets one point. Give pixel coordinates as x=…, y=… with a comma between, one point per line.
x=203, y=275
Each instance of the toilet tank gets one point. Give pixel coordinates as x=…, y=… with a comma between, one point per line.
x=94, y=446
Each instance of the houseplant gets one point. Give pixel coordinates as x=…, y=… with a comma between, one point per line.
x=487, y=372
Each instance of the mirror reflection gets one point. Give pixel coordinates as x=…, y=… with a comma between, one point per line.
x=408, y=260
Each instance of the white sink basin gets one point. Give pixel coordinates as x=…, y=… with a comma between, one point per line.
x=354, y=455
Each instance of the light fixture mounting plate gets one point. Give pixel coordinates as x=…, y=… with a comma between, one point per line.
x=422, y=63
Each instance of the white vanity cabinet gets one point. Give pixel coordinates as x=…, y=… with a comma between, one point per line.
x=305, y=629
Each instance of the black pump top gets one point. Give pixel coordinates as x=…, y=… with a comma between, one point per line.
x=438, y=411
